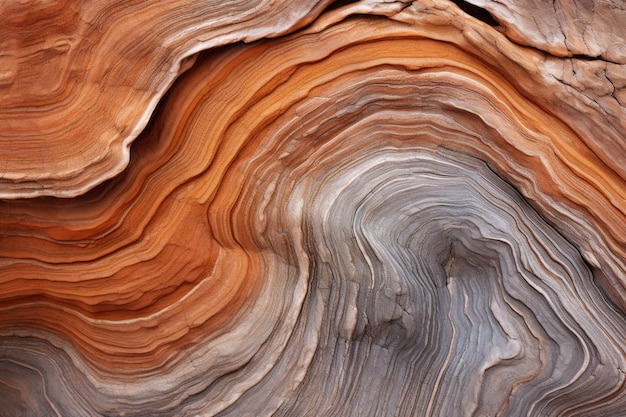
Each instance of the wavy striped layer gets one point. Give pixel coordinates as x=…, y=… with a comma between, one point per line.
x=370, y=216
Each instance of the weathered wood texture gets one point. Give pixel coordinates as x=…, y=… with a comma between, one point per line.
x=300, y=208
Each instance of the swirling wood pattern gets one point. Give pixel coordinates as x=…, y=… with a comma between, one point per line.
x=381, y=208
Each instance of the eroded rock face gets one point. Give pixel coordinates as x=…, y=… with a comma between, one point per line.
x=373, y=209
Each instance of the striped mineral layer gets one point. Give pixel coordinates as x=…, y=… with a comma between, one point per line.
x=369, y=208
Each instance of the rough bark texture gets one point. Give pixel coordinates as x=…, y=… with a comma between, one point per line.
x=299, y=208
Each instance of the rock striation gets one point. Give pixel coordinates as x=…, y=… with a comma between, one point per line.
x=363, y=208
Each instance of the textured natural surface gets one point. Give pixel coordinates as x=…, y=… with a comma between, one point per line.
x=364, y=209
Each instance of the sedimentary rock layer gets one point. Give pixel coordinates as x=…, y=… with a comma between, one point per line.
x=79, y=78
x=374, y=209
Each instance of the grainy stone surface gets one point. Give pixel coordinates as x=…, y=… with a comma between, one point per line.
x=368, y=209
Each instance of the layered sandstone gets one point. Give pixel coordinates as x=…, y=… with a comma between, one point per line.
x=364, y=208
